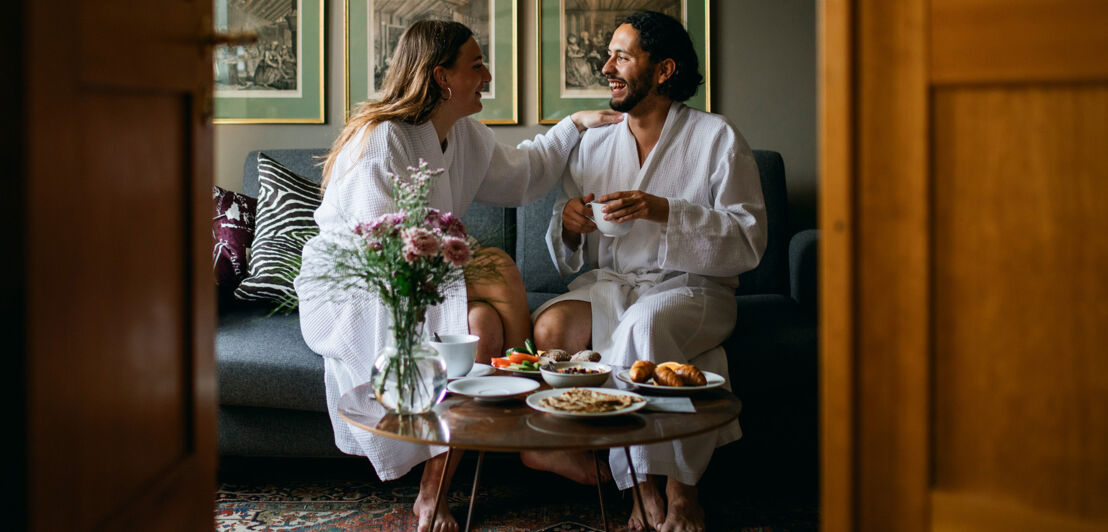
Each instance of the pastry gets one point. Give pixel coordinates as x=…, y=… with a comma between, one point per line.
x=557, y=355
x=664, y=376
x=586, y=356
x=641, y=371
x=690, y=375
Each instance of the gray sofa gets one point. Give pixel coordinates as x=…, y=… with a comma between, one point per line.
x=271, y=395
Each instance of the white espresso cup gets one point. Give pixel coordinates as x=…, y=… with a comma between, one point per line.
x=608, y=227
x=459, y=351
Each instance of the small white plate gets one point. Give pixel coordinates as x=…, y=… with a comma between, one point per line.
x=715, y=380
x=533, y=402
x=478, y=370
x=492, y=388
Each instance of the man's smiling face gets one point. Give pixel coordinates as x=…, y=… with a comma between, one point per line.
x=629, y=70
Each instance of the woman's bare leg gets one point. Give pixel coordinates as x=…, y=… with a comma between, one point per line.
x=504, y=294
x=485, y=322
x=428, y=485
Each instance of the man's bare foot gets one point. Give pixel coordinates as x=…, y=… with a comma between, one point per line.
x=655, y=507
x=576, y=466
x=684, y=513
x=423, y=508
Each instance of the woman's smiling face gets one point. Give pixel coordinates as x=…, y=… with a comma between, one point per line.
x=466, y=79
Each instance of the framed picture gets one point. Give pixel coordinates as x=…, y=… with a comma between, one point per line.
x=279, y=78
x=373, y=28
x=573, y=47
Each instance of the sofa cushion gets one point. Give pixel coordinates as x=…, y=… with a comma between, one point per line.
x=275, y=432
x=532, y=256
x=285, y=221
x=263, y=361
x=771, y=276
x=232, y=234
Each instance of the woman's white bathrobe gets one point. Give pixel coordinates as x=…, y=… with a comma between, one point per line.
x=666, y=291
x=349, y=330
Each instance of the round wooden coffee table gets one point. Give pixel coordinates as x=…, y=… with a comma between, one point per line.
x=511, y=426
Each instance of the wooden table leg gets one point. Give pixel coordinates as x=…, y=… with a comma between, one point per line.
x=599, y=491
x=635, y=489
x=442, y=486
x=473, y=492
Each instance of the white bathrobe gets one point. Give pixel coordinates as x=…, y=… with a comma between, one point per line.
x=349, y=331
x=665, y=291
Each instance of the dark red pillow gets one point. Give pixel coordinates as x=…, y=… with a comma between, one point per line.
x=232, y=233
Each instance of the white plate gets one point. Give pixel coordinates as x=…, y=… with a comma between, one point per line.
x=478, y=370
x=715, y=380
x=533, y=402
x=492, y=388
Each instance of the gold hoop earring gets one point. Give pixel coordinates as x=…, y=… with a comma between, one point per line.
x=449, y=95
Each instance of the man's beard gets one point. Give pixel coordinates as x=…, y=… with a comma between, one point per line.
x=636, y=91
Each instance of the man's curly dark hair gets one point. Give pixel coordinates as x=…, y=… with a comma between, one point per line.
x=663, y=37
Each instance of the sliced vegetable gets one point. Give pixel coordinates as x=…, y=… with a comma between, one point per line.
x=519, y=358
x=500, y=362
x=511, y=350
x=529, y=345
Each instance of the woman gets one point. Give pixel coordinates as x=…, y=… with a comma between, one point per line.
x=432, y=87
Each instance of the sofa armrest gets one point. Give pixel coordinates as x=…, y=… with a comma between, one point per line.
x=804, y=269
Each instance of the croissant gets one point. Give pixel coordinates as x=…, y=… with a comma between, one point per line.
x=671, y=365
x=690, y=375
x=641, y=371
x=664, y=376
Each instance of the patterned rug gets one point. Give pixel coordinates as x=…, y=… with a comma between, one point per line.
x=283, y=496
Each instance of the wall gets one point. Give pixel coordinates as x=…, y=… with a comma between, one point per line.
x=763, y=80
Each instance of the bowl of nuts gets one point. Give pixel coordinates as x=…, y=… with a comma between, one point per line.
x=571, y=374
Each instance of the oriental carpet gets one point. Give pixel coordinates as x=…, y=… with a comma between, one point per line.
x=345, y=495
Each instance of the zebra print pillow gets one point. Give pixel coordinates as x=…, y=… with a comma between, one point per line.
x=286, y=203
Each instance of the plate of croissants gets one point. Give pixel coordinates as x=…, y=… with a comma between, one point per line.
x=669, y=377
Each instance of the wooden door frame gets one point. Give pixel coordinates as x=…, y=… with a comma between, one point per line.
x=875, y=284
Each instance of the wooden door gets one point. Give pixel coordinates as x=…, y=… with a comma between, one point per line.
x=964, y=290
x=118, y=298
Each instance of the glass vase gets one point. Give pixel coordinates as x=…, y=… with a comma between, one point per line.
x=409, y=377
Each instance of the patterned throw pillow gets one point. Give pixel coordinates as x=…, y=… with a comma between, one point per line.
x=286, y=205
x=232, y=232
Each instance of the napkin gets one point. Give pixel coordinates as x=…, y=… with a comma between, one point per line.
x=670, y=404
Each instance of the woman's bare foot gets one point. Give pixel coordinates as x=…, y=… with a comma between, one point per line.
x=684, y=513
x=655, y=507
x=576, y=466
x=424, y=506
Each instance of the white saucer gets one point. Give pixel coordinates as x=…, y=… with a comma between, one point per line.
x=492, y=388
x=478, y=370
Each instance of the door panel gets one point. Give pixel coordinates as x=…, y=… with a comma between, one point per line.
x=964, y=191
x=1021, y=204
x=119, y=293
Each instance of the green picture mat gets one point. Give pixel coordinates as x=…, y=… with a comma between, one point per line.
x=305, y=109
x=503, y=109
x=552, y=107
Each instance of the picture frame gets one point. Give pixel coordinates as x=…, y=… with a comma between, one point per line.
x=372, y=33
x=573, y=45
x=279, y=79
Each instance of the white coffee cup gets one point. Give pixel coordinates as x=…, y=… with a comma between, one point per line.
x=608, y=227
x=459, y=351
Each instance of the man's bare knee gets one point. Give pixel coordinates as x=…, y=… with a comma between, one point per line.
x=565, y=325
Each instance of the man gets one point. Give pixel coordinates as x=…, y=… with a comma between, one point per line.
x=665, y=291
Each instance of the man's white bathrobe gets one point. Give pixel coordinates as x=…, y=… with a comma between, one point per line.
x=666, y=291
x=348, y=330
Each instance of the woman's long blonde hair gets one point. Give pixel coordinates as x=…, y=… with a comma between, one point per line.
x=410, y=93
